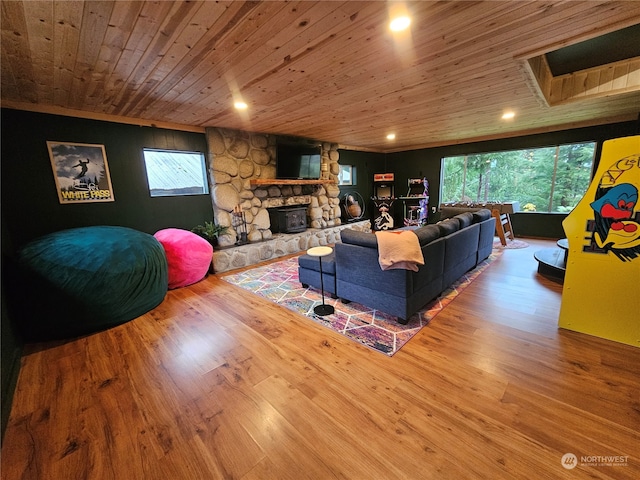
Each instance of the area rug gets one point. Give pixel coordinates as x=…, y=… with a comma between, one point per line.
x=278, y=282
x=511, y=244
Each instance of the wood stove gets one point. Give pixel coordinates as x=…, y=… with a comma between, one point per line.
x=289, y=219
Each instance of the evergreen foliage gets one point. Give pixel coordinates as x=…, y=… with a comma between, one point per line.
x=553, y=178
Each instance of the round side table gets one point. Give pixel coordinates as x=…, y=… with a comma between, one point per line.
x=563, y=243
x=320, y=252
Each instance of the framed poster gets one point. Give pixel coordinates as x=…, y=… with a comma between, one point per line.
x=81, y=172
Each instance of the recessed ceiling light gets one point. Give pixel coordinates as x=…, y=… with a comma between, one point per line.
x=399, y=24
x=508, y=115
x=240, y=105
x=391, y=136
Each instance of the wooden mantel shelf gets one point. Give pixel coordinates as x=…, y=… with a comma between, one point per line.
x=275, y=181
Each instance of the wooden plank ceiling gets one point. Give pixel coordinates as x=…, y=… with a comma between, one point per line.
x=325, y=70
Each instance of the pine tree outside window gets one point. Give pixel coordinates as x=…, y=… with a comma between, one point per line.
x=548, y=179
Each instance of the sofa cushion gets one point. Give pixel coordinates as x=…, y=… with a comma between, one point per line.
x=465, y=219
x=427, y=234
x=448, y=226
x=460, y=253
x=355, y=237
x=309, y=272
x=481, y=215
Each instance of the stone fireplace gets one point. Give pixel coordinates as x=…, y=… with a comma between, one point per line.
x=242, y=178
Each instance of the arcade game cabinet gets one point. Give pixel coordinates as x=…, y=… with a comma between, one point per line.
x=416, y=202
x=383, y=198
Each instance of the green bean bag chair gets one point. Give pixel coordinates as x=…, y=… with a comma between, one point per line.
x=82, y=280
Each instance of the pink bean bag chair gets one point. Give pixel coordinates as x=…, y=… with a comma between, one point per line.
x=188, y=256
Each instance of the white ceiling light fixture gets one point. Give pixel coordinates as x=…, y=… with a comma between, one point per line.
x=509, y=115
x=240, y=105
x=400, y=20
x=400, y=23
x=391, y=136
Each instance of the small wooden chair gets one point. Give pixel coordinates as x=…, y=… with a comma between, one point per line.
x=503, y=226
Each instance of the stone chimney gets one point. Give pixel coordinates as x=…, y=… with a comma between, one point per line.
x=237, y=157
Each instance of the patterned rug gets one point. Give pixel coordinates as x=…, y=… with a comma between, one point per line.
x=279, y=283
x=511, y=244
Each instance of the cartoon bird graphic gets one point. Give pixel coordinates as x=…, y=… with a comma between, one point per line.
x=628, y=236
x=618, y=203
x=615, y=208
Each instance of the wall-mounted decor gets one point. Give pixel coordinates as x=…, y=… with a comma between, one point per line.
x=81, y=172
x=172, y=173
x=346, y=176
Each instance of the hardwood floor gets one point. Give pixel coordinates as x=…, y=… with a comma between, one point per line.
x=217, y=383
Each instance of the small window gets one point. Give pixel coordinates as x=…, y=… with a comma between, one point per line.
x=171, y=173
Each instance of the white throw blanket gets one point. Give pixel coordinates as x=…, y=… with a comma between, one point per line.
x=399, y=249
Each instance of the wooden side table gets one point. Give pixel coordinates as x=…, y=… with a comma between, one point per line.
x=320, y=252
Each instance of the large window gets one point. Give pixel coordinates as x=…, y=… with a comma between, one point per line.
x=171, y=173
x=549, y=179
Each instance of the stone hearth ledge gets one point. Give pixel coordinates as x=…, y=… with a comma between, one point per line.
x=279, y=245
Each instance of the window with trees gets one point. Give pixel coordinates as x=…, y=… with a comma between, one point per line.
x=548, y=179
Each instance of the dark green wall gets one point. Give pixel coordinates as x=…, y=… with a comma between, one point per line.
x=30, y=206
x=11, y=343
x=366, y=164
x=11, y=353
x=538, y=224
x=426, y=162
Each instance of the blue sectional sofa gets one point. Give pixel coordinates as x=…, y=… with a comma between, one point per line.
x=450, y=248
